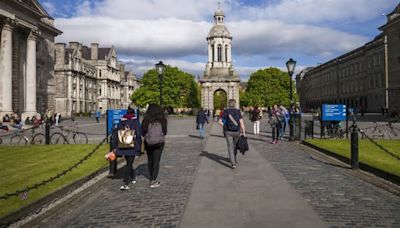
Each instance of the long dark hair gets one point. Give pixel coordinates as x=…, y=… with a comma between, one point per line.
x=153, y=114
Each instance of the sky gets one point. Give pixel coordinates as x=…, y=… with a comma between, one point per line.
x=266, y=33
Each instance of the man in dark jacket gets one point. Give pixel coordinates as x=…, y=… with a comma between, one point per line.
x=233, y=127
x=200, y=122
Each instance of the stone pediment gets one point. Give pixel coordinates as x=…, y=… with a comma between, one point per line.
x=34, y=5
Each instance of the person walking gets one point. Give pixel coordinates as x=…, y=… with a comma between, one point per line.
x=201, y=119
x=255, y=118
x=98, y=114
x=154, y=128
x=233, y=126
x=274, y=121
x=127, y=128
x=283, y=120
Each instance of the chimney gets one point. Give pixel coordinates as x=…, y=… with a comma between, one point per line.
x=74, y=45
x=94, y=51
x=60, y=55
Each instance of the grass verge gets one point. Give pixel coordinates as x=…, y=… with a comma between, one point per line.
x=368, y=153
x=28, y=165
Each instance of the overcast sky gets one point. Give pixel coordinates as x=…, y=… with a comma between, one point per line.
x=265, y=32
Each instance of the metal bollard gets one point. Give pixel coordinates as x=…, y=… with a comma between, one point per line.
x=354, y=148
x=47, y=133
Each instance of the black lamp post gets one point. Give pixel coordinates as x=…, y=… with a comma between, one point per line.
x=160, y=67
x=290, y=65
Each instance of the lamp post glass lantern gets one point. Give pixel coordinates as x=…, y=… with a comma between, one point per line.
x=160, y=67
x=290, y=65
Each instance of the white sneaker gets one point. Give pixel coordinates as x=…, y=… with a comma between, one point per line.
x=124, y=187
x=155, y=184
x=134, y=181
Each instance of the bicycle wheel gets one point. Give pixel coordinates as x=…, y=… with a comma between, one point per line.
x=18, y=140
x=58, y=138
x=80, y=138
x=38, y=139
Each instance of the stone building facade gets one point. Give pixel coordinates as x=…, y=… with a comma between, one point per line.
x=27, y=82
x=128, y=85
x=91, y=78
x=392, y=31
x=360, y=78
x=219, y=74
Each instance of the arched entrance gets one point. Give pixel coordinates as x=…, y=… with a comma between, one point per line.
x=220, y=99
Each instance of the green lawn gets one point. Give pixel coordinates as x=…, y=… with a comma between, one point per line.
x=368, y=153
x=27, y=165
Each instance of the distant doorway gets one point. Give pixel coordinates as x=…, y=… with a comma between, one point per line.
x=220, y=99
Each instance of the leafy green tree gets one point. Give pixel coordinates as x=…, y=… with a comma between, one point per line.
x=267, y=87
x=179, y=89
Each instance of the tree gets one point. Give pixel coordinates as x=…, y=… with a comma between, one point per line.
x=267, y=87
x=179, y=89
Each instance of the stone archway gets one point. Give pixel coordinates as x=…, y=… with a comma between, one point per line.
x=220, y=99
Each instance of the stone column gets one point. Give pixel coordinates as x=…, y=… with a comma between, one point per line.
x=229, y=54
x=209, y=53
x=6, y=70
x=223, y=55
x=30, y=93
x=78, y=94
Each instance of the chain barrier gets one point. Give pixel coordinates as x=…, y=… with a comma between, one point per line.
x=377, y=144
x=24, y=192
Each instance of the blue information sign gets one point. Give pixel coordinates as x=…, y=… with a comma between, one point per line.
x=114, y=117
x=333, y=112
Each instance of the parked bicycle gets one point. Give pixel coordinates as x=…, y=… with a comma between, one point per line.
x=19, y=138
x=382, y=131
x=69, y=135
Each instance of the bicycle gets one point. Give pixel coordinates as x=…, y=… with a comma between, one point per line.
x=377, y=132
x=20, y=139
x=68, y=135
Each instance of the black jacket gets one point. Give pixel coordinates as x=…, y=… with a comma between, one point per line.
x=242, y=145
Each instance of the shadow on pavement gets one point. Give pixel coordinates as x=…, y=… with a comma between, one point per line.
x=221, y=160
x=195, y=136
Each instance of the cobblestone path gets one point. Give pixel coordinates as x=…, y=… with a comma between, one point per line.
x=104, y=205
x=340, y=198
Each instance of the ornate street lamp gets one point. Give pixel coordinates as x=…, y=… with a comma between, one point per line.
x=160, y=67
x=290, y=65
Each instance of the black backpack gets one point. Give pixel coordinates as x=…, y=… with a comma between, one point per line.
x=232, y=120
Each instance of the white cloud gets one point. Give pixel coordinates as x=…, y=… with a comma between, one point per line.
x=177, y=38
x=174, y=29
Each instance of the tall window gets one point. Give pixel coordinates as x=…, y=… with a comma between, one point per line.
x=212, y=52
x=219, y=53
x=226, y=53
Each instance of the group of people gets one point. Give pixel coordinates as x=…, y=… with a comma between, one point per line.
x=153, y=129
x=278, y=118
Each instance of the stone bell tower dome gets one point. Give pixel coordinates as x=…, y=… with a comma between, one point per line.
x=219, y=73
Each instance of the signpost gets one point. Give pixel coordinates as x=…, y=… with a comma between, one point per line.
x=333, y=112
x=114, y=117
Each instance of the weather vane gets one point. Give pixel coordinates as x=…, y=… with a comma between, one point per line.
x=219, y=5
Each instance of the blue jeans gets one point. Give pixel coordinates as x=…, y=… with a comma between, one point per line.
x=201, y=130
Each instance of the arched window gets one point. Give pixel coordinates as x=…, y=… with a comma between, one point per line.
x=212, y=52
x=226, y=53
x=219, y=53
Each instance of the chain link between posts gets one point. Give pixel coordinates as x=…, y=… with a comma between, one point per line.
x=377, y=144
x=23, y=193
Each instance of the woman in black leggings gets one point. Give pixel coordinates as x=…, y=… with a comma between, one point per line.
x=154, y=129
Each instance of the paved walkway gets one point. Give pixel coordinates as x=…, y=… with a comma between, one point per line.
x=253, y=195
x=273, y=186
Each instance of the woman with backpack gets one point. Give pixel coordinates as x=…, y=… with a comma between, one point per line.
x=154, y=128
x=128, y=140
